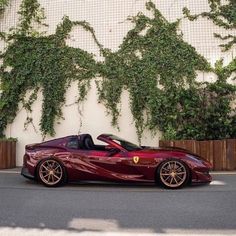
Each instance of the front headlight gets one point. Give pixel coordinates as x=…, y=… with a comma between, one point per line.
x=195, y=158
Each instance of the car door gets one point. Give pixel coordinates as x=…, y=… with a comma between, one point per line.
x=103, y=165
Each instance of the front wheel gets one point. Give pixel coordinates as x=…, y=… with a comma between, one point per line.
x=173, y=174
x=51, y=173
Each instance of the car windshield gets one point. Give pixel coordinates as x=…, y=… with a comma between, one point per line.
x=125, y=144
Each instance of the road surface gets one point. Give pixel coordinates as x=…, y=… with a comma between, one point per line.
x=97, y=209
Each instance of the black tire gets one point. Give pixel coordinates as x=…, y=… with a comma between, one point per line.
x=172, y=174
x=51, y=172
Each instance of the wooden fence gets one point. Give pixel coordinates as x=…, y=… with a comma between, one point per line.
x=220, y=153
x=7, y=154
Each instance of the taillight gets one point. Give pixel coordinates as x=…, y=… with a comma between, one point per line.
x=31, y=146
x=25, y=159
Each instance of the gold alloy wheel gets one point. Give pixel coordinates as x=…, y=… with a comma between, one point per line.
x=50, y=172
x=173, y=174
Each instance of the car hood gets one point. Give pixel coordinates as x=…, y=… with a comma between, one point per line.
x=158, y=149
x=172, y=149
x=153, y=150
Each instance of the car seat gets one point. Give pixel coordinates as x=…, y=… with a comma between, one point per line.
x=86, y=142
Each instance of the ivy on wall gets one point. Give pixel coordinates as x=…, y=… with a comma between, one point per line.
x=222, y=15
x=153, y=64
x=152, y=67
x=221, y=94
x=3, y=5
x=41, y=62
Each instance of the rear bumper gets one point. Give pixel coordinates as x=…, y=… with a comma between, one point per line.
x=26, y=174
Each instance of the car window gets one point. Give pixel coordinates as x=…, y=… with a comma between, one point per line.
x=73, y=143
x=125, y=144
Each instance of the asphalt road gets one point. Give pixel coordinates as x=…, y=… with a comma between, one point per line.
x=28, y=208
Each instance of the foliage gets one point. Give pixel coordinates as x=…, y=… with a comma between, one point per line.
x=3, y=5
x=219, y=114
x=8, y=139
x=30, y=12
x=152, y=67
x=223, y=15
x=41, y=62
x=205, y=112
x=153, y=64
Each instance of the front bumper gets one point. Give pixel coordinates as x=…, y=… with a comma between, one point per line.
x=201, y=177
x=26, y=174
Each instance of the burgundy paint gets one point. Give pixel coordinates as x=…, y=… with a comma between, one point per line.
x=101, y=165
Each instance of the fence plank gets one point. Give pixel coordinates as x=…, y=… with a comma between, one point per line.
x=7, y=154
x=4, y=159
x=164, y=143
x=186, y=144
x=231, y=154
x=1, y=156
x=219, y=155
x=14, y=154
x=205, y=150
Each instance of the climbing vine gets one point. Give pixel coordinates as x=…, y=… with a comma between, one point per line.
x=221, y=95
x=222, y=15
x=152, y=67
x=41, y=62
x=153, y=63
x=3, y=5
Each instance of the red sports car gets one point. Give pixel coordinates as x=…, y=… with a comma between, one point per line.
x=77, y=158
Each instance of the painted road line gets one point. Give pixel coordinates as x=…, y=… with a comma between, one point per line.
x=223, y=172
x=217, y=182
x=10, y=171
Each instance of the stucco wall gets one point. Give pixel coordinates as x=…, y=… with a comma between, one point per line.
x=108, y=17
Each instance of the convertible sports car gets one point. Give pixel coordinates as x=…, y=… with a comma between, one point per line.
x=77, y=158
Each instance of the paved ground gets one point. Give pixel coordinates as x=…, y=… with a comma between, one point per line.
x=28, y=208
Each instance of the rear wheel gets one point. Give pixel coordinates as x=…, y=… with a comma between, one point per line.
x=51, y=173
x=173, y=174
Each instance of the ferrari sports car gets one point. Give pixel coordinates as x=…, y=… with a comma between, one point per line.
x=76, y=158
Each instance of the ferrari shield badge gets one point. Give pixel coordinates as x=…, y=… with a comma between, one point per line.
x=135, y=159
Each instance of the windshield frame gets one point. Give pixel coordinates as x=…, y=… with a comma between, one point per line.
x=125, y=144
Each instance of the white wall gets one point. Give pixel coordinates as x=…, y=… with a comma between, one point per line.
x=108, y=17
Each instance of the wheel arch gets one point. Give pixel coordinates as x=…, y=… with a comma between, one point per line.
x=51, y=157
x=173, y=158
